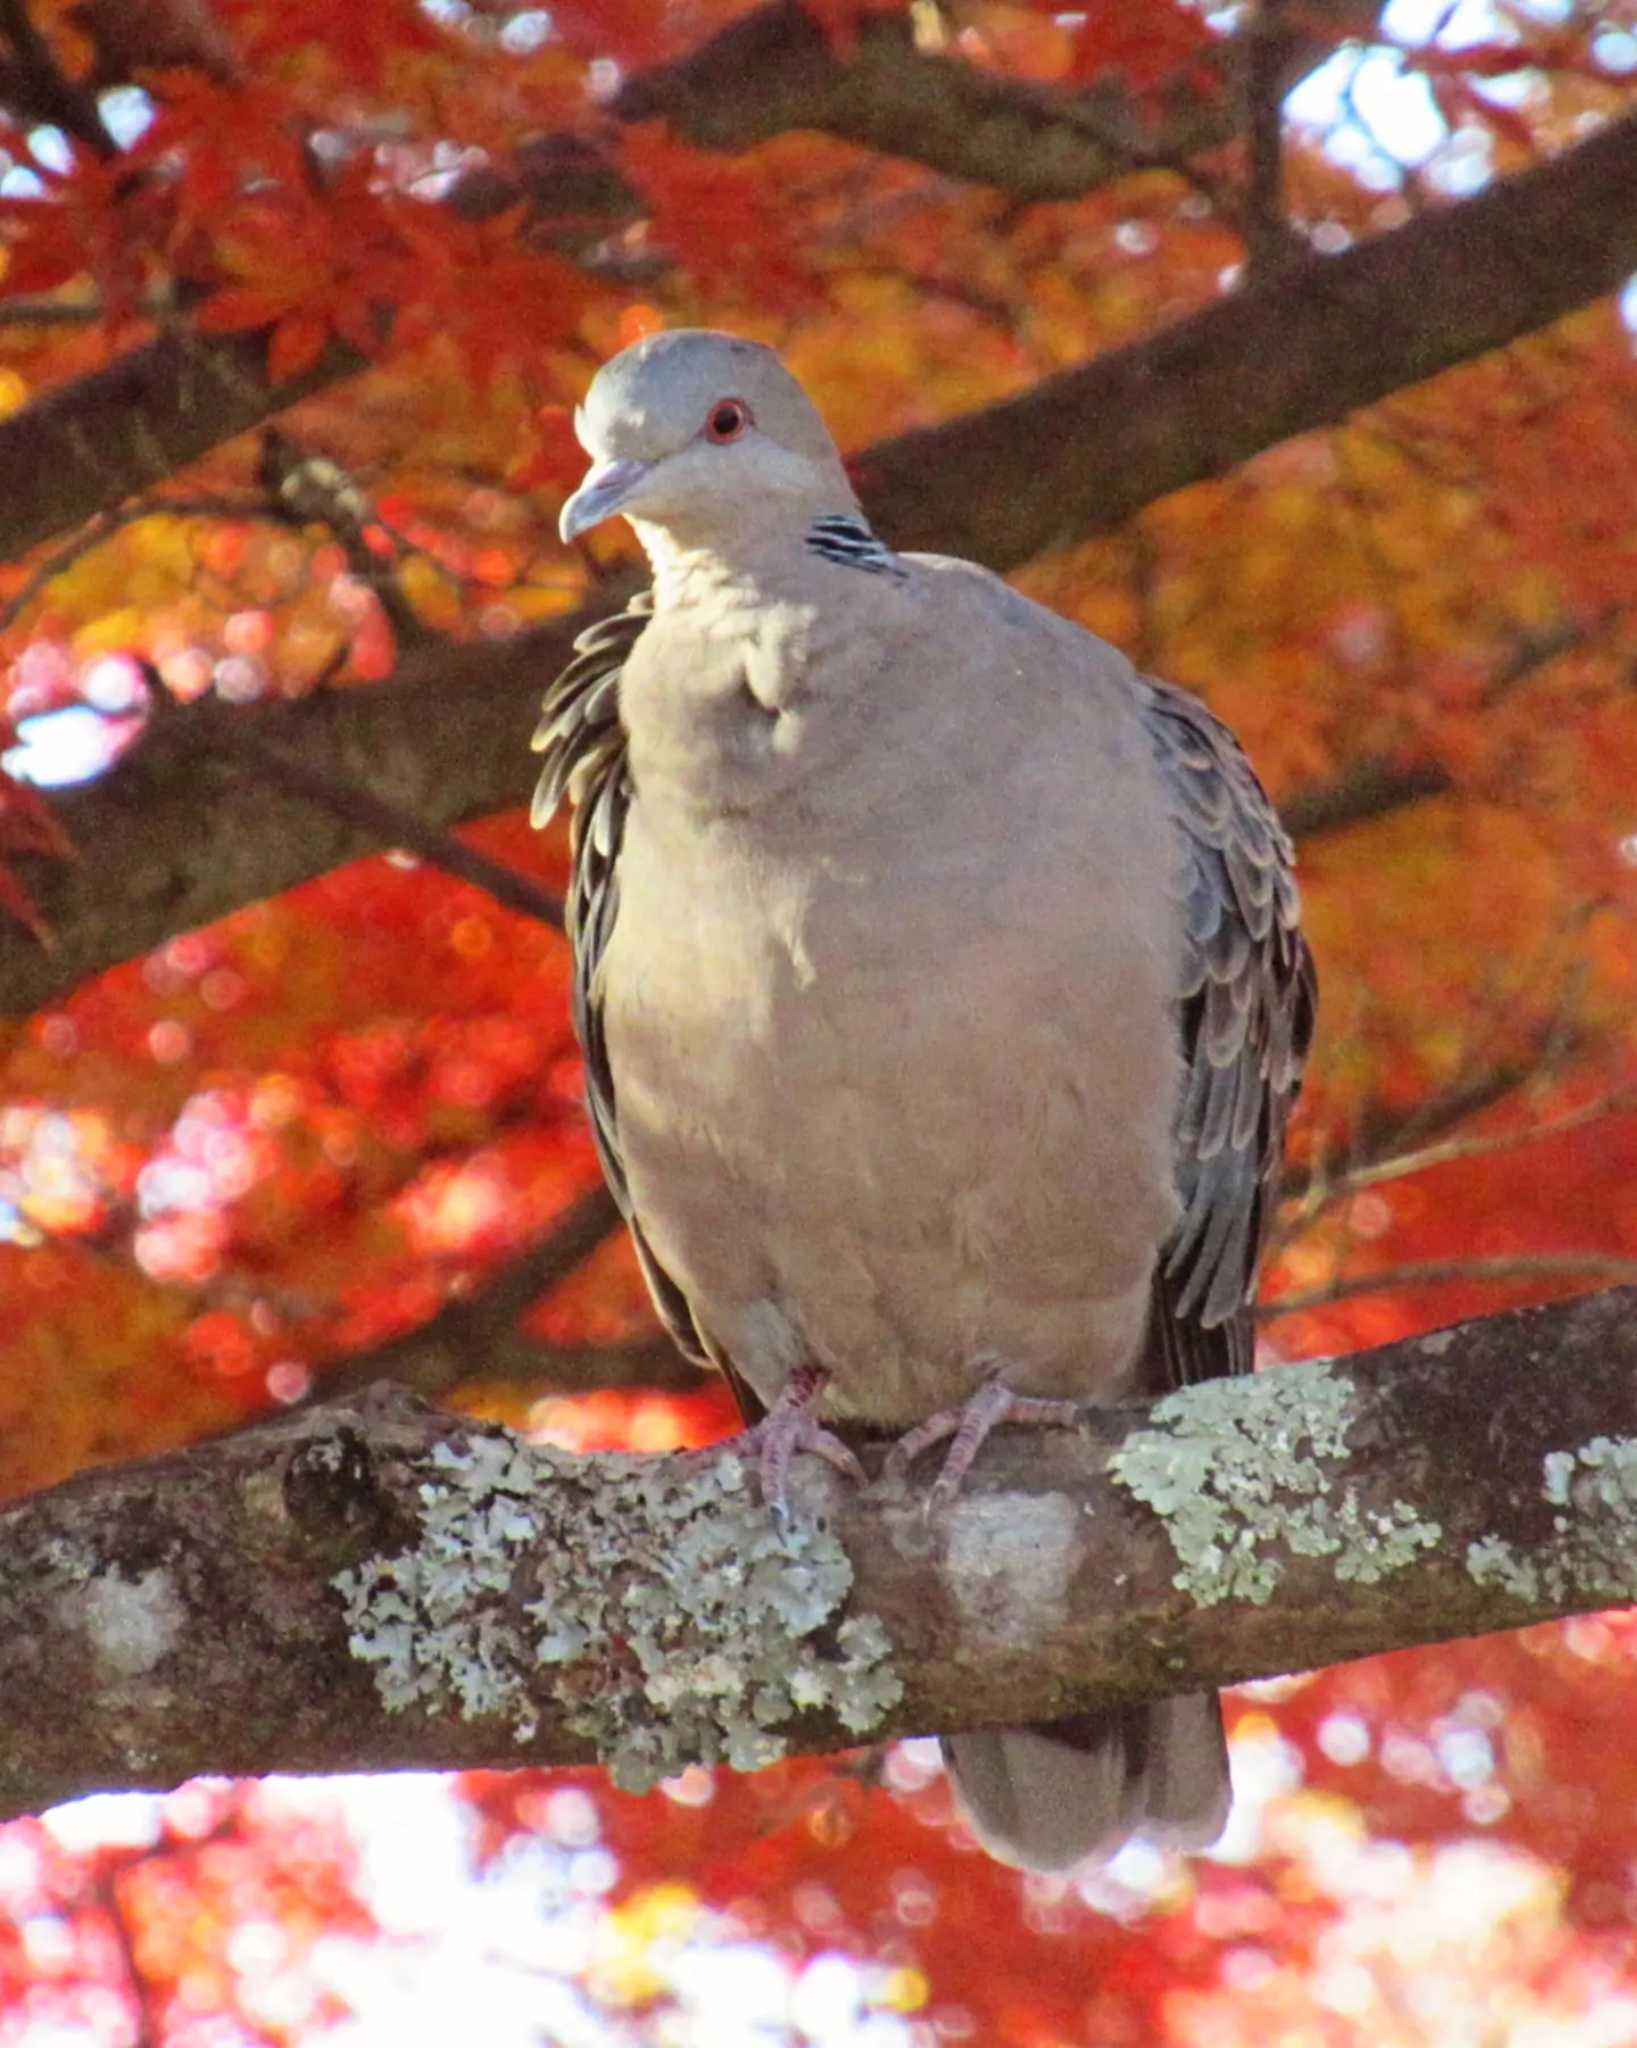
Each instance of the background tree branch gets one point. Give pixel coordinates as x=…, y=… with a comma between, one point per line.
x=942, y=111
x=471, y=1335
x=184, y=1615
x=103, y=437
x=1368, y=789
x=1080, y=452
x=219, y=806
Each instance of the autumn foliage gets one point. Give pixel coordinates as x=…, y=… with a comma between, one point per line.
x=270, y=1151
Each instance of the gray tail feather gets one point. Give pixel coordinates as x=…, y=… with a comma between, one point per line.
x=1043, y=1798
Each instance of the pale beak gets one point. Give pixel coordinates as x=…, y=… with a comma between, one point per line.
x=604, y=491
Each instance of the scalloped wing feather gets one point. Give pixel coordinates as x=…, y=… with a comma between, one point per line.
x=1248, y=998
x=582, y=745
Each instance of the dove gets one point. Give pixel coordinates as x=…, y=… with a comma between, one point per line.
x=942, y=994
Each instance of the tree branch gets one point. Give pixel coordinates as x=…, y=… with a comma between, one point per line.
x=1080, y=452
x=104, y=437
x=1532, y=1267
x=1368, y=1173
x=34, y=85
x=373, y=1585
x=775, y=70
x=392, y=825
x=102, y=526
x=1379, y=1133
x=449, y=1347
x=1270, y=43
x=1368, y=789
x=889, y=93
x=195, y=821
x=531, y=1365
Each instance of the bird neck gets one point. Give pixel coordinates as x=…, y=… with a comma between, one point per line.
x=755, y=557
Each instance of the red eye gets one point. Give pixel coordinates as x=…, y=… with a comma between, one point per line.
x=729, y=418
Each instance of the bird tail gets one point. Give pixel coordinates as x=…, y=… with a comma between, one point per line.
x=1043, y=1798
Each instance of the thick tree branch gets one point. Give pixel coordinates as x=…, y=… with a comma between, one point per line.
x=102, y=438
x=392, y=825
x=370, y=1585
x=224, y=805
x=1084, y=450
x=1368, y=789
x=776, y=70
x=1270, y=43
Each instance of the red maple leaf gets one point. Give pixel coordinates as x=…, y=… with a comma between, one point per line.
x=1152, y=47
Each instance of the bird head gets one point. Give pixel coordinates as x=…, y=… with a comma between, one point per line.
x=695, y=432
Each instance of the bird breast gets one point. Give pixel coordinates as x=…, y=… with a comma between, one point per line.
x=895, y=1089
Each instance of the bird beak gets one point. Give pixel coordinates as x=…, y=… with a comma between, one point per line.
x=603, y=493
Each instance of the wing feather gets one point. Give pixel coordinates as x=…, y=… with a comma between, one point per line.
x=1248, y=993
x=582, y=745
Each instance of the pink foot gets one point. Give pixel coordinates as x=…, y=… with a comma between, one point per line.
x=792, y=1425
x=969, y=1426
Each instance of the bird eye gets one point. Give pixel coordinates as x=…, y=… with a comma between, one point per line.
x=728, y=420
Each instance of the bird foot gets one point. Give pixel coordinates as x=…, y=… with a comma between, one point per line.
x=792, y=1425
x=968, y=1427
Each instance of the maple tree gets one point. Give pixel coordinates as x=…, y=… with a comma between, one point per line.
x=1288, y=351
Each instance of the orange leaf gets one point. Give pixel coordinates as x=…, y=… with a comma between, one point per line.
x=838, y=20
x=556, y=457
x=297, y=342
x=1148, y=47
x=237, y=306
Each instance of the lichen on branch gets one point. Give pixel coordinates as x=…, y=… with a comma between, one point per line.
x=675, y=1620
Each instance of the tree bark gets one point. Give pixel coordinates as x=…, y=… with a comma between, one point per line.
x=372, y=1584
x=119, y=431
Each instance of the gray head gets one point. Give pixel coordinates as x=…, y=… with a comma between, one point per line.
x=696, y=432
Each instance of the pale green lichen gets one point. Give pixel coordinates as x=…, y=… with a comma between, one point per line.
x=680, y=1622
x=1241, y=1473
x=1593, y=1551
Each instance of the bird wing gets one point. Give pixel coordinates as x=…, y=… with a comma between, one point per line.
x=583, y=749
x=1248, y=995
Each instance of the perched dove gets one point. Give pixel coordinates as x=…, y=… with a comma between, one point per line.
x=941, y=994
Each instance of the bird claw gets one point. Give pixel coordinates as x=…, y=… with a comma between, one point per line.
x=969, y=1427
x=792, y=1425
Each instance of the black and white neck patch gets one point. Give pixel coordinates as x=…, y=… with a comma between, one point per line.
x=845, y=539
